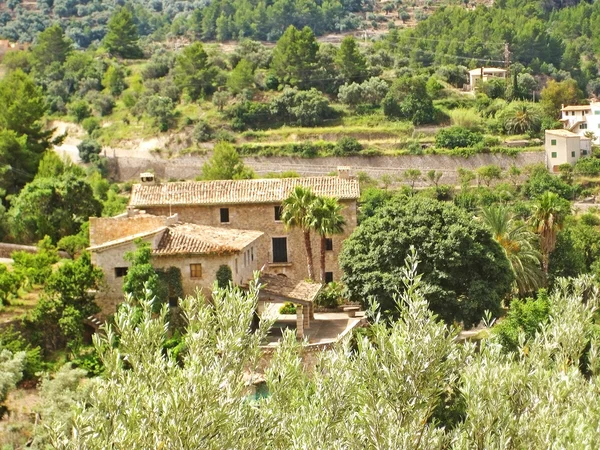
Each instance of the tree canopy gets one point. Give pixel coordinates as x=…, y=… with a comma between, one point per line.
x=467, y=270
x=225, y=164
x=122, y=35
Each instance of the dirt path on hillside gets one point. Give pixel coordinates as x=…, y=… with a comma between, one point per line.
x=134, y=148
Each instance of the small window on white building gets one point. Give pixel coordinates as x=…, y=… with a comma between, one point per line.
x=553, y=142
x=583, y=126
x=597, y=112
x=554, y=154
x=572, y=154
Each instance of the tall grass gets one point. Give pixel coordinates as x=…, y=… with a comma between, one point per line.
x=467, y=118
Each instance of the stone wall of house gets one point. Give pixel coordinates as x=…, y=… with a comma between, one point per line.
x=261, y=217
x=105, y=229
x=112, y=291
x=189, y=167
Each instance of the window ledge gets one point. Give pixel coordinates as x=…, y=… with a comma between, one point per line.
x=280, y=264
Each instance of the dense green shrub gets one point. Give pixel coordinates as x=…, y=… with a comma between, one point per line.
x=80, y=109
x=90, y=362
x=588, y=166
x=347, y=145
x=224, y=276
x=89, y=149
x=526, y=316
x=10, y=282
x=301, y=108
x=408, y=99
x=35, y=267
x=249, y=114
x=14, y=341
x=287, y=308
x=462, y=284
x=457, y=137
x=202, y=132
x=541, y=181
x=90, y=124
x=331, y=296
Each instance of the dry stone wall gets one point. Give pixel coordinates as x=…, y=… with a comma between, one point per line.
x=189, y=167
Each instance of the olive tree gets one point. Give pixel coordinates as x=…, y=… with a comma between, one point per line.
x=403, y=384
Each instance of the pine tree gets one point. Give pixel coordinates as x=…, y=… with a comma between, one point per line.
x=194, y=75
x=122, y=36
x=295, y=55
x=351, y=62
x=242, y=77
x=51, y=46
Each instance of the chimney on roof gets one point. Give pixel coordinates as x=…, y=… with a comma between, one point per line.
x=172, y=219
x=147, y=178
x=344, y=172
x=132, y=212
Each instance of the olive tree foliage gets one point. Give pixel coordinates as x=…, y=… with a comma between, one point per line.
x=539, y=397
x=370, y=92
x=408, y=385
x=11, y=371
x=349, y=402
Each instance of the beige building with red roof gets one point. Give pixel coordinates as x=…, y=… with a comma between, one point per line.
x=255, y=205
x=196, y=250
x=199, y=226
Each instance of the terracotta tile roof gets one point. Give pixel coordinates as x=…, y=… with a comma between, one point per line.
x=203, y=240
x=224, y=192
x=282, y=286
x=190, y=239
x=125, y=239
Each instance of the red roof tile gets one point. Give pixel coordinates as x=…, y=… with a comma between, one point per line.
x=224, y=192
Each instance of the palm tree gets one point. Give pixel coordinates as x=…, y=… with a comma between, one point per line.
x=547, y=219
x=518, y=245
x=326, y=221
x=522, y=118
x=297, y=213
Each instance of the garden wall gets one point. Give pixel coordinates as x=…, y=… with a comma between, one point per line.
x=189, y=167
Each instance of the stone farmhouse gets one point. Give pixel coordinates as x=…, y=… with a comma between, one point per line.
x=254, y=205
x=199, y=226
x=197, y=251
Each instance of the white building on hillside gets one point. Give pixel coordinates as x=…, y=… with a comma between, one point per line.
x=580, y=119
x=484, y=74
x=564, y=146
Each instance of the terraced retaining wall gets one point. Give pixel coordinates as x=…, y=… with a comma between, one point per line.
x=189, y=167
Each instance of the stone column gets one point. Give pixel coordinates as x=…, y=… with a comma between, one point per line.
x=299, y=322
x=311, y=307
x=307, y=317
